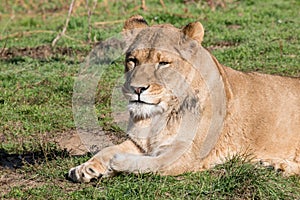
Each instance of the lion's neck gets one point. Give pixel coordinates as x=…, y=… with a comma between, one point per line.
x=150, y=133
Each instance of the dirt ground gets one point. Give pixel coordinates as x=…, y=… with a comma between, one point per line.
x=41, y=52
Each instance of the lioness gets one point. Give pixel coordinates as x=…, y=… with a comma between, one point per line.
x=189, y=113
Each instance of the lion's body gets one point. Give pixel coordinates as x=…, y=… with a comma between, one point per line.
x=189, y=113
x=263, y=117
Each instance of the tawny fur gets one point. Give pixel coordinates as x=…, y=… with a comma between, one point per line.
x=262, y=111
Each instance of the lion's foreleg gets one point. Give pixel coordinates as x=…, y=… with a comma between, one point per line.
x=99, y=164
x=132, y=163
x=157, y=163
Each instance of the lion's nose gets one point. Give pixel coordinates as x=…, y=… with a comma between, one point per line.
x=139, y=90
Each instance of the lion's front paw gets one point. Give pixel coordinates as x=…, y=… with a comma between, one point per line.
x=87, y=171
x=83, y=173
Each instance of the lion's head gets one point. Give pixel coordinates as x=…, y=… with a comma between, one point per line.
x=158, y=67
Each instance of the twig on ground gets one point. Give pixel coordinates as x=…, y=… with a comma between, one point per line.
x=162, y=4
x=143, y=6
x=108, y=22
x=3, y=49
x=90, y=12
x=82, y=42
x=66, y=25
x=89, y=20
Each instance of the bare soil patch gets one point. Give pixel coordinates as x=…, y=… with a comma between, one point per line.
x=71, y=142
x=79, y=142
x=41, y=52
x=11, y=178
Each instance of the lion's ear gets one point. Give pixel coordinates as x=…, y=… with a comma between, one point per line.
x=195, y=31
x=136, y=21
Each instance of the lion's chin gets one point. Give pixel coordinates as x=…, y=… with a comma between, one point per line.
x=140, y=110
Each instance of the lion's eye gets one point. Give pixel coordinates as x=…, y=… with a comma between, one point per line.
x=163, y=65
x=131, y=63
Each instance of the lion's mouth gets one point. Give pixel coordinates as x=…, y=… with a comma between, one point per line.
x=142, y=102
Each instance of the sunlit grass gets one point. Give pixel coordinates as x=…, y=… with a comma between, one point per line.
x=36, y=94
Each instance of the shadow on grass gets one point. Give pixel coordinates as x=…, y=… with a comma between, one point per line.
x=17, y=161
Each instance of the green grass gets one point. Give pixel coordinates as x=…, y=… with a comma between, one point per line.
x=36, y=94
x=236, y=179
